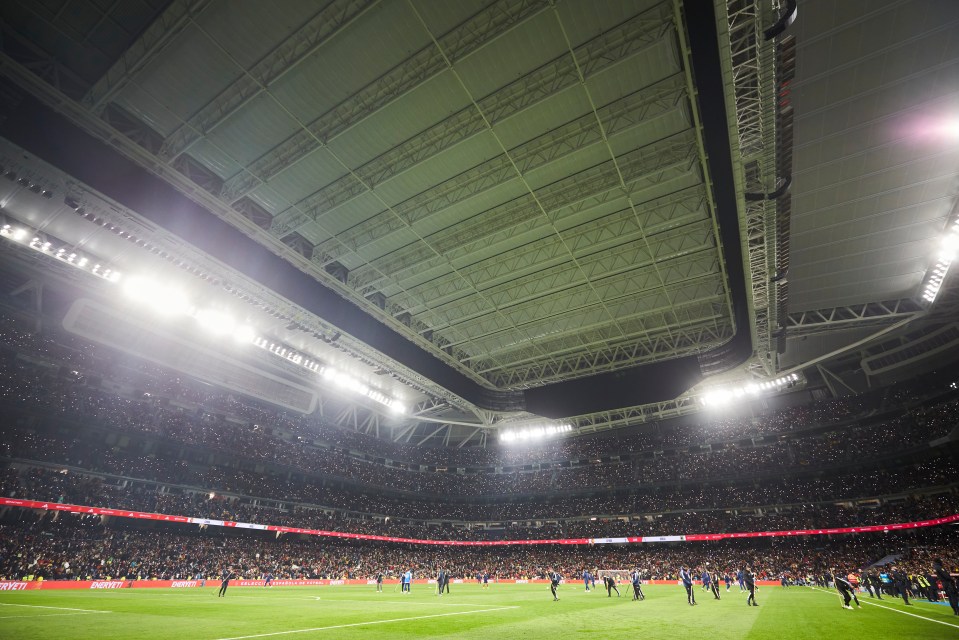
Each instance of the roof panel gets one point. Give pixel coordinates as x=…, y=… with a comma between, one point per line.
x=583, y=19
x=516, y=53
x=644, y=68
x=250, y=34
x=351, y=213
x=149, y=109
x=439, y=168
x=215, y=158
x=413, y=112
x=269, y=199
x=253, y=130
x=870, y=193
x=542, y=117
x=357, y=56
x=307, y=176
x=441, y=16
x=191, y=72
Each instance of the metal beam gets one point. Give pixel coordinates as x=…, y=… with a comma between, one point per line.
x=858, y=316
x=433, y=433
x=749, y=64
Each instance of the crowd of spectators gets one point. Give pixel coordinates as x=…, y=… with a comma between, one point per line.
x=181, y=442
x=85, y=425
x=415, y=519
x=31, y=387
x=78, y=547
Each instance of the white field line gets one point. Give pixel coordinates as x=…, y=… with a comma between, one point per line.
x=54, y=615
x=361, y=624
x=905, y=613
x=272, y=598
x=425, y=604
x=39, y=606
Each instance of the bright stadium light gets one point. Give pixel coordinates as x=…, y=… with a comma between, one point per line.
x=244, y=333
x=56, y=249
x=535, y=432
x=945, y=253
x=169, y=301
x=722, y=396
x=138, y=289
x=215, y=321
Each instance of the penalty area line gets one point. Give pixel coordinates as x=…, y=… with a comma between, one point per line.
x=905, y=613
x=40, y=606
x=361, y=624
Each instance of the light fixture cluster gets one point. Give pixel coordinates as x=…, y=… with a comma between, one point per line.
x=165, y=299
x=57, y=250
x=287, y=354
x=534, y=432
x=347, y=381
x=947, y=252
x=168, y=300
x=721, y=397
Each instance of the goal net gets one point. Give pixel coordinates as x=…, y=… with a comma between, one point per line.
x=622, y=576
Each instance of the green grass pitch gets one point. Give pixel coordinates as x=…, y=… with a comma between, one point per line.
x=520, y=612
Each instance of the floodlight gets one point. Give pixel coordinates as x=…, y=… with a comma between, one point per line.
x=215, y=321
x=948, y=247
x=19, y=234
x=136, y=288
x=167, y=301
x=244, y=333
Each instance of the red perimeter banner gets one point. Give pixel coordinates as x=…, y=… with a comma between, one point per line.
x=696, y=537
x=101, y=585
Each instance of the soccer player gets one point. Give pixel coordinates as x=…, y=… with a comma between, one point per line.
x=714, y=584
x=637, y=585
x=407, y=581
x=948, y=585
x=704, y=578
x=268, y=580
x=727, y=579
x=440, y=577
x=610, y=583
x=687, y=579
x=586, y=578
x=846, y=589
x=740, y=580
x=750, y=581
x=486, y=579
x=225, y=581
x=379, y=582
x=554, y=579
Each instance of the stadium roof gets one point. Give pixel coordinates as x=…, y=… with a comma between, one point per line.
x=513, y=207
